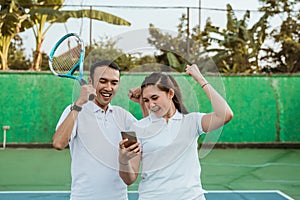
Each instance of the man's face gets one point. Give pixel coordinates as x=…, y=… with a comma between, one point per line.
x=106, y=82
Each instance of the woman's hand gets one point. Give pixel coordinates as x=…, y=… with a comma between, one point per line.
x=129, y=161
x=127, y=153
x=193, y=70
x=135, y=94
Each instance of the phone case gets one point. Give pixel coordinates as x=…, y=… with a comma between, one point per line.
x=131, y=136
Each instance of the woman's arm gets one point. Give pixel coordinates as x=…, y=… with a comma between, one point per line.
x=129, y=162
x=136, y=96
x=222, y=113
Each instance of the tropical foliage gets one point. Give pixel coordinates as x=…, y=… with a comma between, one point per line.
x=234, y=49
x=105, y=48
x=41, y=15
x=16, y=58
x=181, y=49
x=237, y=48
x=11, y=17
x=287, y=36
x=45, y=13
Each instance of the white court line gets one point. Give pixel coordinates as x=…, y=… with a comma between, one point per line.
x=253, y=166
x=252, y=191
x=133, y=192
x=34, y=192
x=285, y=195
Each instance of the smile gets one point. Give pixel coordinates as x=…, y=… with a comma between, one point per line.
x=154, y=108
x=105, y=94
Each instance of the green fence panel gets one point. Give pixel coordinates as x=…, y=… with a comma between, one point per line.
x=288, y=101
x=266, y=108
x=30, y=104
x=253, y=104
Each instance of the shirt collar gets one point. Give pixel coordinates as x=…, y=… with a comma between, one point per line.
x=96, y=108
x=177, y=115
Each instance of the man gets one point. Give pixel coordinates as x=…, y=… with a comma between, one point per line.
x=92, y=130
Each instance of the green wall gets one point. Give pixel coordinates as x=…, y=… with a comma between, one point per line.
x=266, y=108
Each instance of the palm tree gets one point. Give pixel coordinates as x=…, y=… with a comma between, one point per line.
x=11, y=18
x=45, y=13
x=286, y=36
x=179, y=50
x=239, y=46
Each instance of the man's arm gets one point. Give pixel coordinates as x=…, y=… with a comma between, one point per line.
x=63, y=133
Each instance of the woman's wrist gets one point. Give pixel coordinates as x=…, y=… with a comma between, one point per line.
x=205, y=84
x=201, y=80
x=123, y=163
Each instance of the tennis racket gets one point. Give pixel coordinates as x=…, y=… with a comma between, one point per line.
x=66, y=59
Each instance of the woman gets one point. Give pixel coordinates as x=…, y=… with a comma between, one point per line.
x=168, y=139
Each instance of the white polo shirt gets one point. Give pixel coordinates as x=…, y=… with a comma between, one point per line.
x=94, y=150
x=170, y=164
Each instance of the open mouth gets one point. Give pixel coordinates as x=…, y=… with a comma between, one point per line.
x=106, y=95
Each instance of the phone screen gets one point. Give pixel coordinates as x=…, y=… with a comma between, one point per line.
x=131, y=136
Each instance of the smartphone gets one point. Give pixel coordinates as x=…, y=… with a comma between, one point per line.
x=131, y=136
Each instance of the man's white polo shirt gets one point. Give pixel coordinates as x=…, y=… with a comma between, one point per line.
x=94, y=149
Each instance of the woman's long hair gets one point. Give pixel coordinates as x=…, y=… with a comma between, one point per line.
x=165, y=82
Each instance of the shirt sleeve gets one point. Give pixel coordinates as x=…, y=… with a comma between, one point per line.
x=199, y=123
x=130, y=120
x=63, y=117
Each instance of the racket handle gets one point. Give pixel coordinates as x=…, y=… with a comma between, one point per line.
x=91, y=97
x=83, y=82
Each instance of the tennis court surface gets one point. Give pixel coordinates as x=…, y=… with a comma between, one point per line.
x=132, y=195
x=235, y=174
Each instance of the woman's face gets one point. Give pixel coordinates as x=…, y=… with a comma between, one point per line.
x=159, y=102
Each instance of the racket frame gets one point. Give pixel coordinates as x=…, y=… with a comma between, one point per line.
x=78, y=65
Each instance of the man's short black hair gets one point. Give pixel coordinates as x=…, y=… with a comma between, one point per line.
x=102, y=63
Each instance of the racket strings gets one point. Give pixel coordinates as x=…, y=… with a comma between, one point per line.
x=67, y=55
